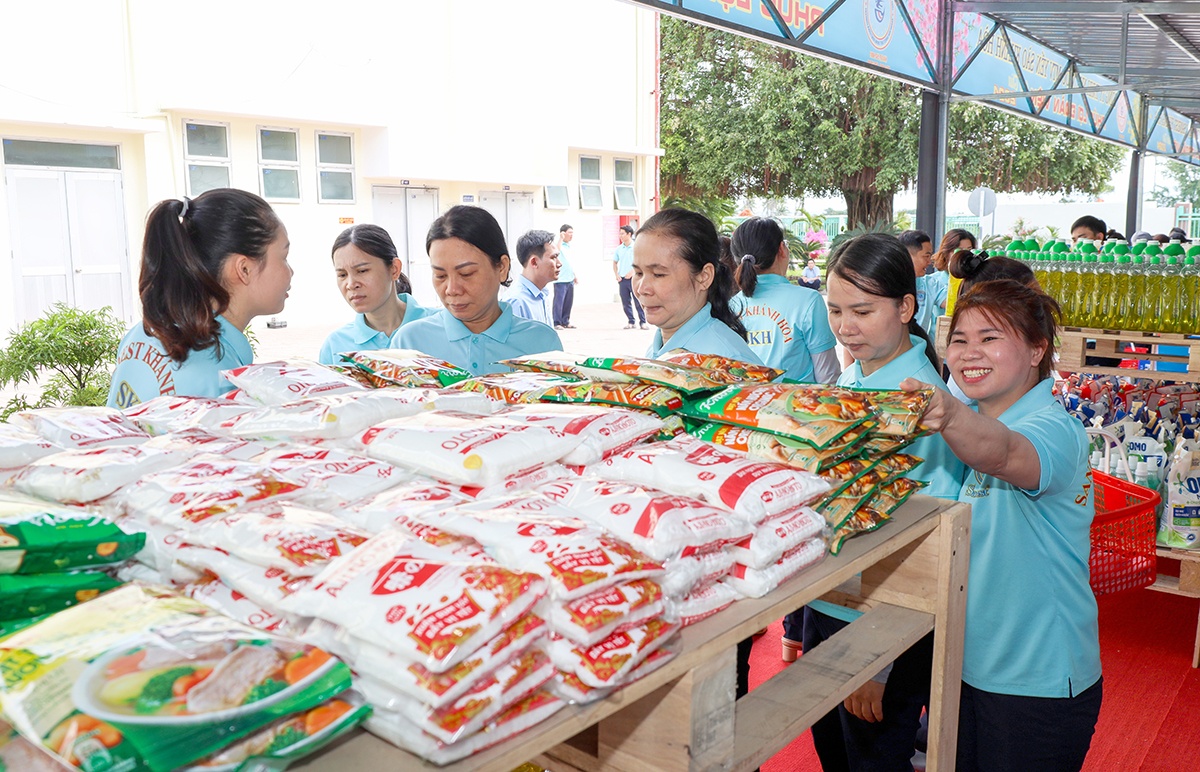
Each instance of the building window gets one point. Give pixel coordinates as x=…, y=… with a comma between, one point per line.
x=278, y=164
x=335, y=168
x=589, y=183
x=624, y=195
x=206, y=153
x=73, y=155
x=557, y=197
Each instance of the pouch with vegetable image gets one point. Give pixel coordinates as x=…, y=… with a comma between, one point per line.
x=684, y=378
x=405, y=367
x=659, y=399
x=781, y=450
x=563, y=363
x=899, y=412
x=816, y=415
x=730, y=371
x=37, y=537
x=142, y=679
x=28, y=595
x=515, y=387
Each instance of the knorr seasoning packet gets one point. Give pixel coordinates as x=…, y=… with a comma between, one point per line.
x=719, y=368
x=404, y=367
x=37, y=537
x=563, y=363
x=899, y=412
x=142, y=679
x=684, y=378
x=815, y=415
x=660, y=399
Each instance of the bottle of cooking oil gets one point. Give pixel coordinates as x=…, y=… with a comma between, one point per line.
x=1152, y=303
x=1106, y=302
x=1169, y=309
x=1135, y=307
x=1189, y=290
x=1069, y=289
x=1120, y=278
x=1089, y=296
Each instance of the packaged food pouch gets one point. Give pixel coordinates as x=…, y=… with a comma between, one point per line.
x=608, y=662
x=568, y=687
x=37, y=537
x=513, y=388
x=170, y=413
x=751, y=489
x=399, y=731
x=662, y=526
x=684, y=378
x=603, y=430
x=361, y=376
x=20, y=755
x=142, y=679
x=197, y=441
x=465, y=449
x=332, y=478
x=505, y=685
x=890, y=496
x=755, y=583
x=816, y=415
x=594, y=617
x=719, y=368
x=290, y=739
x=133, y=571
x=206, y=487
x=80, y=427
x=685, y=576
x=277, y=383
x=897, y=465
x=563, y=363
x=853, y=477
x=423, y=603
x=837, y=509
x=405, y=367
x=400, y=504
x=225, y=600
x=862, y=520
x=30, y=595
x=780, y=450
x=700, y=604
x=659, y=399
x=899, y=412
x=776, y=537
x=20, y=446
x=295, y=539
x=574, y=557
x=268, y=587
x=82, y=476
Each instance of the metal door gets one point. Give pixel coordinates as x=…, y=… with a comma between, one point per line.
x=99, y=248
x=406, y=214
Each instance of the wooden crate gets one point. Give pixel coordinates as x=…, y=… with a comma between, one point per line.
x=685, y=715
x=1186, y=584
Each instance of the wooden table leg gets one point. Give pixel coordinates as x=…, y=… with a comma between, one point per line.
x=954, y=547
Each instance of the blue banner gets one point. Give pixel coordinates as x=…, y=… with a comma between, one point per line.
x=875, y=32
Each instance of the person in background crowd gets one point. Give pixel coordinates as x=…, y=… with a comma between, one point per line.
x=1088, y=228
x=470, y=264
x=367, y=267
x=1161, y=238
x=1178, y=234
x=564, y=285
x=1031, y=679
x=538, y=256
x=727, y=260
x=623, y=271
x=786, y=326
x=872, y=301
x=931, y=288
x=811, y=276
x=1139, y=236
x=209, y=266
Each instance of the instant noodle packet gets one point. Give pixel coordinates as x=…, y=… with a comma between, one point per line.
x=684, y=378
x=725, y=369
x=891, y=495
x=897, y=465
x=277, y=383
x=144, y=679
x=80, y=427
x=661, y=400
x=899, y=412
x=813, y=414
x=515, y=387
x=862, y=520
x=563, y=364
x=37, y=537
x=30, y=595
x=780, y=450
x=405, y=367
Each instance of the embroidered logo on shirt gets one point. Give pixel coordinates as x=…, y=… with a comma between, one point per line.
x=979, y=488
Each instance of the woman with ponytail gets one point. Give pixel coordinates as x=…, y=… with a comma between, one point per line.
x=684, y=288
x=787, y=325
x=209, y=266
x=872, y=303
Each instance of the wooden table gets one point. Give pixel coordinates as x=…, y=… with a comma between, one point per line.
x=1186, y=584
x=685, y=715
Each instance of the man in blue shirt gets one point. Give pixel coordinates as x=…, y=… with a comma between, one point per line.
x=623, y=271
x=564, y=285
x=539, y=266
x=920, y=249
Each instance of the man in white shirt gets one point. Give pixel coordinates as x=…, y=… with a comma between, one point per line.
x=539, y=267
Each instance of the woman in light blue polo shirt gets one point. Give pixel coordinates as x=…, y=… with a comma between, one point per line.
x=209, y=266
x=872, y=304
x=786, y=325
x=684, y=288
x=470, y=264
x=1031, y=687
x=368, y=271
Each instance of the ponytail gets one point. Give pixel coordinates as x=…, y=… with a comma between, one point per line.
x=747, y=275
x=975, y=268
x=720, y=292
x=757, y=241
x=185, y=246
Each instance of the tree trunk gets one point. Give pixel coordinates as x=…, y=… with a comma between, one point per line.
x=866, y=207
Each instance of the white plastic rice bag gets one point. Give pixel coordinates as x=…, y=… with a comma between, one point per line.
x=604, y=430
x=776, y=536
x=197, y=441
x=568, y=687
x=81, y=427
x=418, y=601
x=527, y=480
x=700, y=604
x=20, y=446
x=277, y=383
x=332, y=478
x=659, y=524
x=754, y=490
x=755, y=583
x=169, y=413
x=217, y=595
x=81, y=476
x=687, y=574
x=594, y=617
x=608, y=662
x=401, y=503
x=268, y=587
x=463, y=448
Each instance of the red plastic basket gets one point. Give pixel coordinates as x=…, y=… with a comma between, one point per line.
x=1123, y=533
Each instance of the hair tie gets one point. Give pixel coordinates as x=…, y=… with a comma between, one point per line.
x=187, y=202
x=748, y=258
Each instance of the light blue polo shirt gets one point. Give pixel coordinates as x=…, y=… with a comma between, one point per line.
x=359, y=336
x=703, y=334
x=1032, y=625
x=932, y=291
x=623, y=257
x=785, y=325
x=566, y=273
x=527, y=301
x=443, y=336
x=144, y=371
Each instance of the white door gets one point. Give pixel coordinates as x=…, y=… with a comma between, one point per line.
x=406, y=214
x=99, y=249
x=495, y=202
x=519, y=215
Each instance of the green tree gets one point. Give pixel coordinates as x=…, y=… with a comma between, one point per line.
x=1184, y=185
x=68, y=354
x=741, y=117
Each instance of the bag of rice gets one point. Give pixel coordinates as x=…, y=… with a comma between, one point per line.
x=780, y=450
x=513, y=388
x=685, y=576
x=639, y=396
x=332, y=478
x=753, y=490
x=222, y=598
x=19, y=446
x=608, y=662
x=594, y=617
x=404, y=367
x=80, y=427
x=562, y=363
x=268, y=587
x=816, y=415
x=420, y=602
x=703, y=603
x=193, y=442
x=755, y=582
x=81, y=476
x=604, y=430
x=30, y=595
x=401, y=504
x=776, y=537
x=37, y=537
x=719, y=368
x=465, y=449
x=277, y=383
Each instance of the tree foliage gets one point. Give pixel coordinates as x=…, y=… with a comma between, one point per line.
x=1184, y=185
x=741, y=117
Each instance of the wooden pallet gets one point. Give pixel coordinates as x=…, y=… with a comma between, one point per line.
x=685, y=715
x=1186, y=584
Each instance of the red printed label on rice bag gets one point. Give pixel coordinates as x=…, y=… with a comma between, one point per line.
x=401, y=573
x=574, y=569
x=599, y=609
x=608, y=661
x=442, y=628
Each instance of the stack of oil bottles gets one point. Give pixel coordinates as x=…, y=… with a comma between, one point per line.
x=1115, y=286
